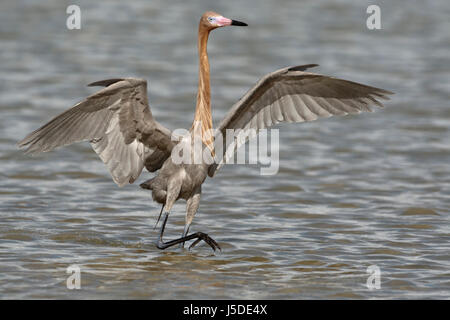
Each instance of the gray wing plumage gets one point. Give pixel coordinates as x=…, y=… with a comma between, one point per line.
x=292, y=95
x=119, y=125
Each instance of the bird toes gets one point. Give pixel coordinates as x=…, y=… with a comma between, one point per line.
x=210, y=241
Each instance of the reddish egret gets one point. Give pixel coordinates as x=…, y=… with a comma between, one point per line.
x=118, y=123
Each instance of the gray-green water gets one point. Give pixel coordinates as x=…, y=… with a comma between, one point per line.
x=371, y=189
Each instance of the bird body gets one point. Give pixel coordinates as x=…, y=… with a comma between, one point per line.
x=118, y=123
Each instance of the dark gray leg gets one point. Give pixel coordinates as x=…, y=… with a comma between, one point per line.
x=198, y=235
x=185, y=232
x=173, y=190
x=159, y=217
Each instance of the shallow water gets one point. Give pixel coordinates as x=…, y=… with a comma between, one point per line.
x=355, y=191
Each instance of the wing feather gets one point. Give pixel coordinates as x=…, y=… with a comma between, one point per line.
x=118, y=122
x=293, y=95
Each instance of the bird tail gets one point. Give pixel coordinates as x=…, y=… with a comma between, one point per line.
x=147, y=184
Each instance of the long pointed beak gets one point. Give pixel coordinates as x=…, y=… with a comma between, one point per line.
x=238, y=23
x=222, y=22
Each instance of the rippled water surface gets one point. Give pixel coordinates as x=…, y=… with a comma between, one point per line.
x=355, y=191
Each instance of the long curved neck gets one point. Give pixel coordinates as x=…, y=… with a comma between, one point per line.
x=203, y=118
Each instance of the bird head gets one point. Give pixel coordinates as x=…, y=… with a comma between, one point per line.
x=211, y=20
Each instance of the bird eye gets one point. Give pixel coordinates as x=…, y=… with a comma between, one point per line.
x=210, y=19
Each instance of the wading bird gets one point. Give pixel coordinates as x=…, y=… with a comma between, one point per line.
x=118, y=123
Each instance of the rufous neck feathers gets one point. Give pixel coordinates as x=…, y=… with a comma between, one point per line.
x=203, y=118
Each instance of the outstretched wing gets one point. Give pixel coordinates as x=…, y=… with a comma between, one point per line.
x=119, y=124
x=292, y=95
